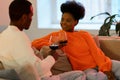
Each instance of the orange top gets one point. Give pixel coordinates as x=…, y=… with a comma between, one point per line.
x=81, y=50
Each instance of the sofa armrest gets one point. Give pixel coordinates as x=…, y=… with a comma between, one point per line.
x=110, y=46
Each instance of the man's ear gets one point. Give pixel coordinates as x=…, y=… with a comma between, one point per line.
x=24, y=17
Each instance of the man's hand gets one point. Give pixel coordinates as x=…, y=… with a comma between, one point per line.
x=110, y=75
x=45, y=51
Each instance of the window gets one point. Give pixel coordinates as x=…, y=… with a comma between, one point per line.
x=49, y=13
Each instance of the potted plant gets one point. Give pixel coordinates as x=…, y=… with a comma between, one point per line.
x=118, y=28
x=110, y=20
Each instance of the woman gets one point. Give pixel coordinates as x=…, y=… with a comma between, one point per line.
x=81, y=49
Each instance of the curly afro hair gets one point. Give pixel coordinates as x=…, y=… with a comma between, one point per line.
x=75, y=8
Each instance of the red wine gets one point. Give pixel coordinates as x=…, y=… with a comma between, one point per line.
x=53, y=47
x=63, y=42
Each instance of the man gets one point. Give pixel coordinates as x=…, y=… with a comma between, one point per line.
x=15, y=49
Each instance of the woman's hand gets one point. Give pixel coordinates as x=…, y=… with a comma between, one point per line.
x=62, y=43
x=110, y=75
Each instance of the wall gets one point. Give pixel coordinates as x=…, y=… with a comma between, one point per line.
x=4, y=20
x=33, y=32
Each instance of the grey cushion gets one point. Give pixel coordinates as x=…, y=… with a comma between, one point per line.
x=9, y=74
x=2, y=28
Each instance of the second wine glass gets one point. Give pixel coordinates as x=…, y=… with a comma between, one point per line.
x=58, y=40
x=62, y=37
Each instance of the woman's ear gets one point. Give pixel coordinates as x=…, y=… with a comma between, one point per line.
x=76, y=22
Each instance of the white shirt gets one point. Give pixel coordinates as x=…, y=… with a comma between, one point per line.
x=16, y=51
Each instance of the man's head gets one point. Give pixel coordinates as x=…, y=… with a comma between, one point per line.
x=20, y=13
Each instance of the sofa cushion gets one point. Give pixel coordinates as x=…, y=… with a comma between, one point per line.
x=28, y=72
x=61, y=65
x=111, y=48
x=96, y=39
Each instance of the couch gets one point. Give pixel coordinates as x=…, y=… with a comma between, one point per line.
x=109, y=45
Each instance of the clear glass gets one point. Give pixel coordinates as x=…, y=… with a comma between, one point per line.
x=53, y=41
x=58, y=40
x=62, y=37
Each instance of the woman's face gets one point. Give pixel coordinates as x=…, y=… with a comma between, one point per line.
x=68, y=22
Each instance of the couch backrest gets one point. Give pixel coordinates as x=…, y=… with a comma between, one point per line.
x=2, y=28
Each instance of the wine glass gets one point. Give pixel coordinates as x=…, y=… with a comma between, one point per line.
x=58, y=40
x=53, y=41
x=62, y=43
x=62, y=38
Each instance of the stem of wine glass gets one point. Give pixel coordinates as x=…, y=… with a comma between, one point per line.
x=50, y=40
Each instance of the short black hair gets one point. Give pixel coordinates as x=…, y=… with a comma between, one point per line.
x=73, y=7
x=17, y=8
